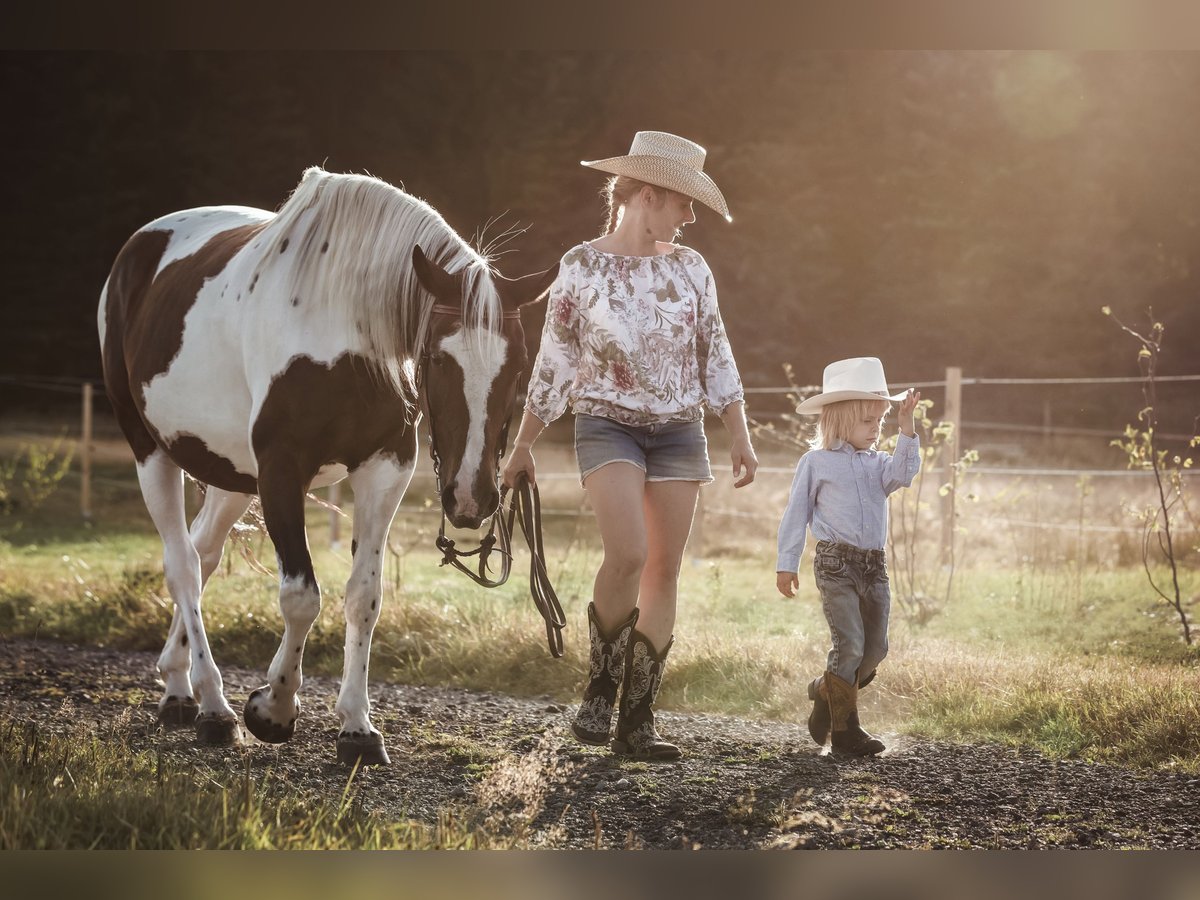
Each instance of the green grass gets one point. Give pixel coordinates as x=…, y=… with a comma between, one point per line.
x=79, y=790
x=1084, y=664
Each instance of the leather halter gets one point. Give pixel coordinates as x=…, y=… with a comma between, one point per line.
x=526, y=508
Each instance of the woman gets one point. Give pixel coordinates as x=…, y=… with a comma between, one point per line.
x=634, y=342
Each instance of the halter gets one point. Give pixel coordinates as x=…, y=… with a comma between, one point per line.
x=525, y=507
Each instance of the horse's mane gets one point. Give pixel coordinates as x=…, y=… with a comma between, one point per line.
x=349, y=241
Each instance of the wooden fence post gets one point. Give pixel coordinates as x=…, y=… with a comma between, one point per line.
x=85, y=450
x=953, y=415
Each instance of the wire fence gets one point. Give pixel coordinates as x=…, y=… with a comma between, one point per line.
x=83, y=478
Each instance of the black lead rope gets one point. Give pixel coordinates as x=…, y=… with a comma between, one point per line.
x=525, y=506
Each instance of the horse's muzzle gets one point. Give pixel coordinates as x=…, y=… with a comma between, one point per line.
x=468, y=512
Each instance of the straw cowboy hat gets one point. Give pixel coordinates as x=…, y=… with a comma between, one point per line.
x=668, y=161
x=860, y=378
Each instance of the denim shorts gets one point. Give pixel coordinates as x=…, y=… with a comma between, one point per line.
x=670, y=451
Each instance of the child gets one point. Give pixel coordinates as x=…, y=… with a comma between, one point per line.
x=840, y=490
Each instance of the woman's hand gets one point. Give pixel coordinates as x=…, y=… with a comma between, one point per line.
x=742, y=455
x=787, y=582
x=520, y=460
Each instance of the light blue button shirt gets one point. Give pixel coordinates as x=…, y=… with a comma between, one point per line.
x=842, y=494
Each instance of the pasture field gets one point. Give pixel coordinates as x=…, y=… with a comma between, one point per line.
x=1051, y=635
x=1050, y=639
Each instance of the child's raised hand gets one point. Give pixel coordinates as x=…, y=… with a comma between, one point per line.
x=787, y=582
x=907, y=407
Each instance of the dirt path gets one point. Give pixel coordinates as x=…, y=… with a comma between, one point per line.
x=742, y=784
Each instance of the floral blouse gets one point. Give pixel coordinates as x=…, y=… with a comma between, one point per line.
x=637, y=339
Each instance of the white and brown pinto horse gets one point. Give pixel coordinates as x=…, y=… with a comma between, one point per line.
x=270, y=353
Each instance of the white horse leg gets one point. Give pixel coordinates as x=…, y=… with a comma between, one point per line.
x=212, y=524
x=177, y=705
x=162, y=487
x=271, y=710
x=379, y=484
x=209, y=530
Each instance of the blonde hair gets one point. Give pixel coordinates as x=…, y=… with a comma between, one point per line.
x=617, y=192
x=837, y=420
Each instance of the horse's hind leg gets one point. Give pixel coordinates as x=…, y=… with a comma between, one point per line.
x=271, y=710
x=162, y=487
x=378, y=485
x=209, y=529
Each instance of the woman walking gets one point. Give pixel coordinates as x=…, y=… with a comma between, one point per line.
x=634, y=343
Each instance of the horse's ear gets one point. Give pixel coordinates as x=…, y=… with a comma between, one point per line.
x=434, y=278
x=518, y=292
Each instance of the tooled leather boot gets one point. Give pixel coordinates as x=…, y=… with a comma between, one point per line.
x=593, y=721
x=636, y=734
x=848, y=736
x=818, y=719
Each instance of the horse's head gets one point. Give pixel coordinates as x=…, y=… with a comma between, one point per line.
x=469, y=385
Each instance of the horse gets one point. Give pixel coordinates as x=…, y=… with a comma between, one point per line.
x=272, y=353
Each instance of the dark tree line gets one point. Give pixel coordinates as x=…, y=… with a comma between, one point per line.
x=934, y=209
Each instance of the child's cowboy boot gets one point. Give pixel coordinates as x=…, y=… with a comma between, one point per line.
x=818, y=719
x=847, y=735
x=594, y=719
x=636, y=735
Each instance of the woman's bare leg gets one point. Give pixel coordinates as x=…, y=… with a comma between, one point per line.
x=616, y=492
x=669, y=508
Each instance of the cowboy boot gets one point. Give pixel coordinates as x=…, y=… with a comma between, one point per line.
x=636, y=735
x=847, y=735
x=818, y=719
x=594, y=718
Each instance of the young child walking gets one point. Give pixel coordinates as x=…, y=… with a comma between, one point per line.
x=840, y=490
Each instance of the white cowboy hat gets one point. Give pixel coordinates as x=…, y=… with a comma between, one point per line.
x=860, y=378
x=668, y=161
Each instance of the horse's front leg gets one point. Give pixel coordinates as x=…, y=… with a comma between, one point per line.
x=271, y=710
x=378, y=485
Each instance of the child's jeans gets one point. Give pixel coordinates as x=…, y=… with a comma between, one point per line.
x=857, y=598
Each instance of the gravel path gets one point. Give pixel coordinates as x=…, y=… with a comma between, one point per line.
x=742, y=784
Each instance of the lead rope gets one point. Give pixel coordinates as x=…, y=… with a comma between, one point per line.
x=525, y=506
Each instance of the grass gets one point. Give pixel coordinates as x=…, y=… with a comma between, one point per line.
x=1049, y=642
x=81, y=790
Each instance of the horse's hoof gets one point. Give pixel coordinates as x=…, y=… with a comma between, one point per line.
x=263, y=728
x=364, y=749
x=217, y=730
x=175, y=710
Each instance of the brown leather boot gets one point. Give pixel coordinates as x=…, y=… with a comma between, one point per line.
x=593, y=721
x=636, y=735
x=848, y=736
x=818, y=719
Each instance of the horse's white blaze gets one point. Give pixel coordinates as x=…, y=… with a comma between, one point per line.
x=480, y=356
x=191, y=229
